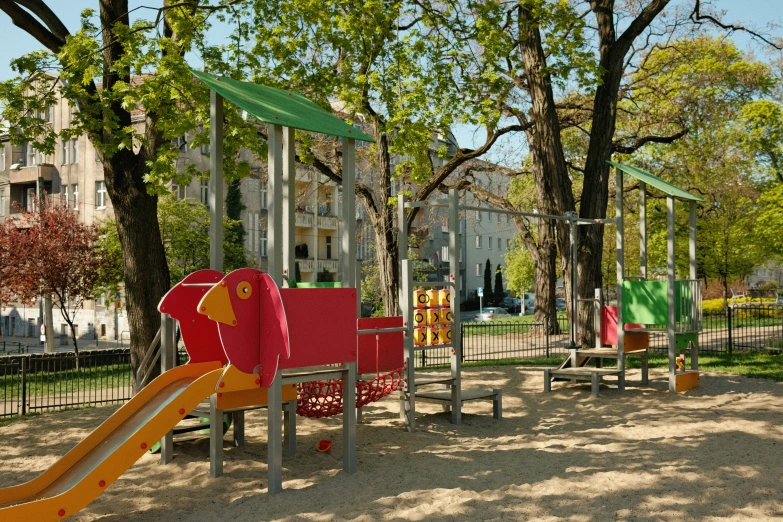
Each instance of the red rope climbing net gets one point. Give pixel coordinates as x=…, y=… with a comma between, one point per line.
x=325, y=398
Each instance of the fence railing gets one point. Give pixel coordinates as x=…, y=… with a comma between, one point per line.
x=744, y=328
x=48, y=382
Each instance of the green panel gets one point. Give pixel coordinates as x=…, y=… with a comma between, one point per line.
x=645, y=302
x=685, y=289
x=319, y=285
x=655, y=181
x=280, y=107
x=681, y=340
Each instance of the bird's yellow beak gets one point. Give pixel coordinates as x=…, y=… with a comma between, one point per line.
x=216, y=305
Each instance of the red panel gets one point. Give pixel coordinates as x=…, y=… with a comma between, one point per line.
x=199, y=333
x=321, y=325
x=260, y=336
x=609, y=326
x=386, y=353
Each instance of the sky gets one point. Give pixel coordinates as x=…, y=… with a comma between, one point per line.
x=757, y=13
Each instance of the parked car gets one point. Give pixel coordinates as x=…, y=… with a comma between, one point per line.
x=489, y=314
x=513, y=305
x=560, y=304
x=530, y=302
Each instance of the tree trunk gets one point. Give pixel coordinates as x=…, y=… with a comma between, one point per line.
x=387, y=255
x=146, y=270
x=545, y=280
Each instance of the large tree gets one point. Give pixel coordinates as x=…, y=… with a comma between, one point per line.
x=129, y=115
x=388, y=66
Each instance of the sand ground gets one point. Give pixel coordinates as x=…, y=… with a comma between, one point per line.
x=714, y=453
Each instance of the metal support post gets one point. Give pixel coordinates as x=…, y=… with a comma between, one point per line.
x=408, y=390
x=238, y=422
x=620, y=241
x=288, y=209
x=599, y=303
x=348, y=239
x=692, y=276
x=349, y=418
x=289, y=434
x=215, y=181
x=670, y=272
x=167, y=351
x=643, y=229
x=574, y=237
x=275, y=435
x=275, y=240
x=456, y=334
x=215, y=438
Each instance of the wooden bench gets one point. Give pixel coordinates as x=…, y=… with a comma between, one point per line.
x=592, y=375
x=444, y=396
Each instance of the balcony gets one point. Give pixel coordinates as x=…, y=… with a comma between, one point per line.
x=304, y=219
x=330, y=265
x=31, y=174
x=306, y=265
x=327, y=222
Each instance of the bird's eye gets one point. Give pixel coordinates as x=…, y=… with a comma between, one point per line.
x=244, y=290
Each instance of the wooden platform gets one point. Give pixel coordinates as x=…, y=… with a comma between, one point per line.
x=604, y=353
x=593, y=375
x=444, y=396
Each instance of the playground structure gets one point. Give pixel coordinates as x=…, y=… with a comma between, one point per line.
x=251, y=336
x=644, y=305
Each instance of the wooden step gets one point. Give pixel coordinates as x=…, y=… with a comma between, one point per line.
x=424, y=381
x=593, y=375
x=444, y=397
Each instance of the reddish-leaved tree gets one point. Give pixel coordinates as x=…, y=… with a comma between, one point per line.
x=49, y=252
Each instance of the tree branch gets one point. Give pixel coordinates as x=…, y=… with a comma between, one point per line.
x=697, y=17
x=27, y=22
x=644, y=140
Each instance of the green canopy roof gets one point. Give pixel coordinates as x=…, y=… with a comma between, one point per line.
x=280, y=107
x=655, y=181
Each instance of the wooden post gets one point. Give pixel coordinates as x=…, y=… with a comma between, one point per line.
x=167, y=351
x=274, y=411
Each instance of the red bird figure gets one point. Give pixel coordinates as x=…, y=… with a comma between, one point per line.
x=251, y=320
x=202, y=341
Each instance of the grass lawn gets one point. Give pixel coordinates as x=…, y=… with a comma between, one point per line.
x=761, y=365
x=67, y=381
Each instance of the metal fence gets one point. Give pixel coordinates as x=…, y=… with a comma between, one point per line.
x=743, y=328
x=49, y=382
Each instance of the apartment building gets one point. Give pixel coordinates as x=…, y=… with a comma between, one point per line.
x=483, y=235
x=74, y=172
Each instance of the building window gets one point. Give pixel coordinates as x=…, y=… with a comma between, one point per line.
x=489, y=243
x=32, y=155
x=508, y=244
x=478, y=241
x=64, y=195
x=2, y=202
x=264, y=202
x=181, y=143
x=478, y=215
x=179, y=191
x=100, y=194
x=478, y=269
x=262, y=244
x=444, y=254
x=500, y=244
x=74, y=152
x=64, y=152
x=205, y=149
x=205, y=192
x=75, y=196
x=444, y=224
x=2, y=156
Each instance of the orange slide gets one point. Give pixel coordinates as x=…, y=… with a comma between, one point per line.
x=95, y=463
